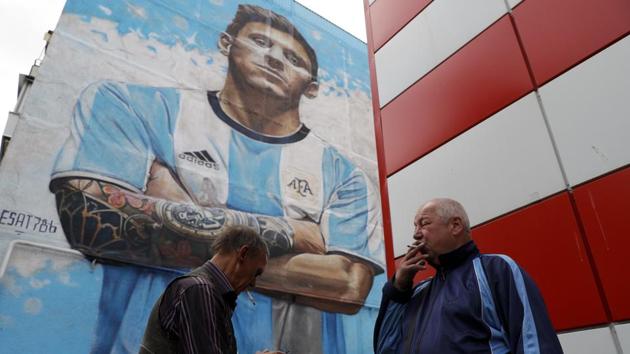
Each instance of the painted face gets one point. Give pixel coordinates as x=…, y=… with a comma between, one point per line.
x=434, y=232
x=271, y=60
x=250, y=268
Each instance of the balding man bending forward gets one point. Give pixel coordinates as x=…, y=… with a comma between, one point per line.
x=194, y=313
x=475, y=303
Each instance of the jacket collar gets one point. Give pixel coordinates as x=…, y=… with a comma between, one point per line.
x=221, y=282
x=458, y=256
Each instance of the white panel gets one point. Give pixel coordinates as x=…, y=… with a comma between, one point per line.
x=12, y=121
x=592, y=341
x=623, y=332
x=512, y=3
x=436, y=33
x=589, y=113
x=501, y=164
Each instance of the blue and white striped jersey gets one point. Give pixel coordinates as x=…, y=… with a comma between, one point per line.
x=119, y=130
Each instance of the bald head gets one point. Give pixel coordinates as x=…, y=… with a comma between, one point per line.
x=441, y=226
x=241, y=254
x=447, y=209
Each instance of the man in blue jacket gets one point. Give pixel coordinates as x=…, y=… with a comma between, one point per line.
x=475, y=303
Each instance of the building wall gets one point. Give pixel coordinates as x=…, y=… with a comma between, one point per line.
x=521, y=111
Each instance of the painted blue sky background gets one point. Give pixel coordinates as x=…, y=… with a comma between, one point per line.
x=36, y=309
x=196, y=24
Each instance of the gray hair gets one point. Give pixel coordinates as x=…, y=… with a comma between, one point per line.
x=234, y=237
x=447, y=209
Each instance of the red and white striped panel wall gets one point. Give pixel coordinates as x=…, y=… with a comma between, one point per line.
x=521, y=111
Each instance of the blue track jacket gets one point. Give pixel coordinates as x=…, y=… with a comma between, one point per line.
x=474, y=304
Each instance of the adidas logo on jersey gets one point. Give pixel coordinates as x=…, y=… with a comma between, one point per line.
x=201, y=158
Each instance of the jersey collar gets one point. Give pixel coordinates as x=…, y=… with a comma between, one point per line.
x=291, y=138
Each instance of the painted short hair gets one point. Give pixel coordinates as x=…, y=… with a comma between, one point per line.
x=252, y=13
x=235, y=237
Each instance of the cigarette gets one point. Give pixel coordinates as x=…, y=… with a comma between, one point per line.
x=250, y=297
x=416, y=246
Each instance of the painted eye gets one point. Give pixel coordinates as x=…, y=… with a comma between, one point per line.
x=293, y=59
x=261, y=42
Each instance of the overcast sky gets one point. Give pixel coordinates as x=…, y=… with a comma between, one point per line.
x=23, y=24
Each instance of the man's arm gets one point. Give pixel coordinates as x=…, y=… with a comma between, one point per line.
x=396, y=293
x=104, y=220
x=520, y=307
x=330, y=282
x=340, y=280
x=162, y=185
x=333, y=283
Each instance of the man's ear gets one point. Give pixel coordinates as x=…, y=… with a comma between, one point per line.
x=312, y=89
x=225, y=43
x=457, y=226
x=242, y=253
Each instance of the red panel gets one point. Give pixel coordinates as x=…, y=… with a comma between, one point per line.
x=380, y=153
x=545, y=240
x=388, y=17
x=604, y=206
x=485, y=76
x=558, y=34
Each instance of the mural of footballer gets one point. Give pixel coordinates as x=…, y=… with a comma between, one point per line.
x=150, y=175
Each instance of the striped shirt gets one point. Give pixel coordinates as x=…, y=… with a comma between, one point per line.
x=196, y=310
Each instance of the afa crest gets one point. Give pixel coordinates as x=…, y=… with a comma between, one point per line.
x=301, y=187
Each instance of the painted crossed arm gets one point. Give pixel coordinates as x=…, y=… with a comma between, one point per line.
x=105, y=221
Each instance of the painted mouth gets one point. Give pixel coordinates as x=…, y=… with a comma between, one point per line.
x=273, y=73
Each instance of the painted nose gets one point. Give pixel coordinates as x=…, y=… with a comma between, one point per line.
x=274, y=58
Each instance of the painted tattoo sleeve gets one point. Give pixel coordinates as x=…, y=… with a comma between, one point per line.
x=106, y=221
